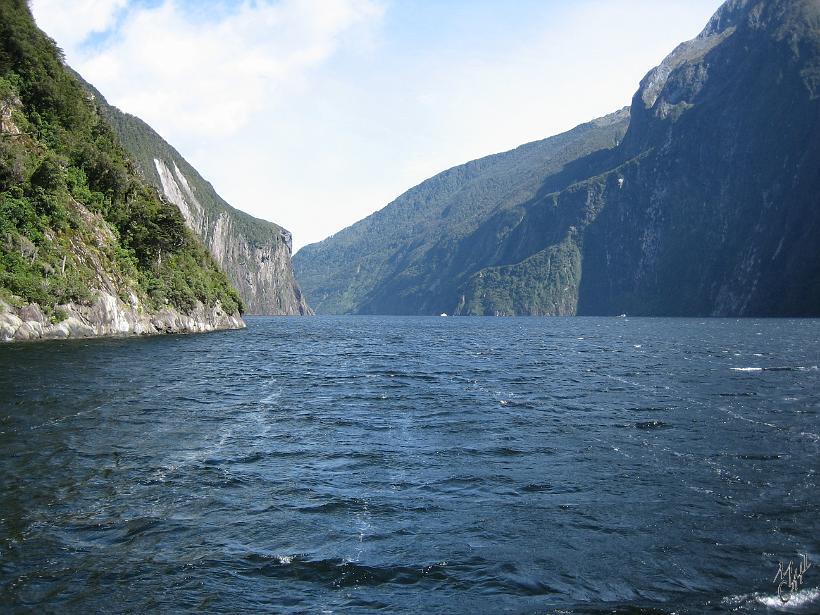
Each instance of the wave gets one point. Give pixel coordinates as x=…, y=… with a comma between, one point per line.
x=651, y=425
x=537, y=487
x=785, y=368
x=749, y=457
x=340, y=573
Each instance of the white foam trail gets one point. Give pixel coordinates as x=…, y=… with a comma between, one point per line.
x=797, y=600
x=630, y=383
x=735, y=415
x=786, y=368
x=272, y=398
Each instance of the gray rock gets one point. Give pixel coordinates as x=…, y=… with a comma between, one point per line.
x=32, y=312
x=110, y=316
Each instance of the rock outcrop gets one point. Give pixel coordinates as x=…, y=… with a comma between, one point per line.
x=109, y=316
x=255, y=254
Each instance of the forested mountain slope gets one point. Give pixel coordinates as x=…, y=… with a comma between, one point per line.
x=86, y=246
x=708, y=205
x=413, y=256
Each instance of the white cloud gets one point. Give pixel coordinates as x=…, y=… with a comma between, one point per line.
x=191, y=77
x=314, y=113
x=70, y=23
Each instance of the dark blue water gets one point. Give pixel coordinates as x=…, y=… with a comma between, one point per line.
x=414, y=465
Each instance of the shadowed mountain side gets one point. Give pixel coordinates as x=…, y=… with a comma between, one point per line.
x=721, y=217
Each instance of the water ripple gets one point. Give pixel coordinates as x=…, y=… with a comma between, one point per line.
x=413, y=465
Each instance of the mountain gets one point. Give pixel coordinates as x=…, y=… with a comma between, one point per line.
x=706, y=204
x=414, y=255
x=255, y=254
x=87, y=247
x=719, y=208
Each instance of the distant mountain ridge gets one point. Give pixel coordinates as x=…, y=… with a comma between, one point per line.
x=702, y=199
x=412, y=256
x=255, y=254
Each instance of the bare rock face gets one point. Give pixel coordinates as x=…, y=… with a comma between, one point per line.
x=254, y=254
x=258, y=267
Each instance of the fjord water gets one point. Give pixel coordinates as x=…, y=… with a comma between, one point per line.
x=428, y=465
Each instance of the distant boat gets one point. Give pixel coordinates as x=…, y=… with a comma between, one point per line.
x=621, y=316
x=443, y=315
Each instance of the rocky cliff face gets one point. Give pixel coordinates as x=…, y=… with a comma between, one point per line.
x=253, y=253
x=109, y=316
x=706, y=206
x=718, y=212
x=259, y=268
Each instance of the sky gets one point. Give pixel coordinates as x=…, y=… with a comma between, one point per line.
x=315, y=113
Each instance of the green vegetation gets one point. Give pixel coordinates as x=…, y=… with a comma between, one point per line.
x=545, y=284
x=415, y=255
x=241, y=244
x=71, y=204
x=144, y=144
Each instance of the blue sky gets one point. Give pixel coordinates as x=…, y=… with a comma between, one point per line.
x=315, y=113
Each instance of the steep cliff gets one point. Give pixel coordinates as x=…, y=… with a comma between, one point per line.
x=720, y=216
x=86, y=247
x=254, y=254
x=708, y=205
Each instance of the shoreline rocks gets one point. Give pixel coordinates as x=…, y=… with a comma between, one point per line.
x=109, y=316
